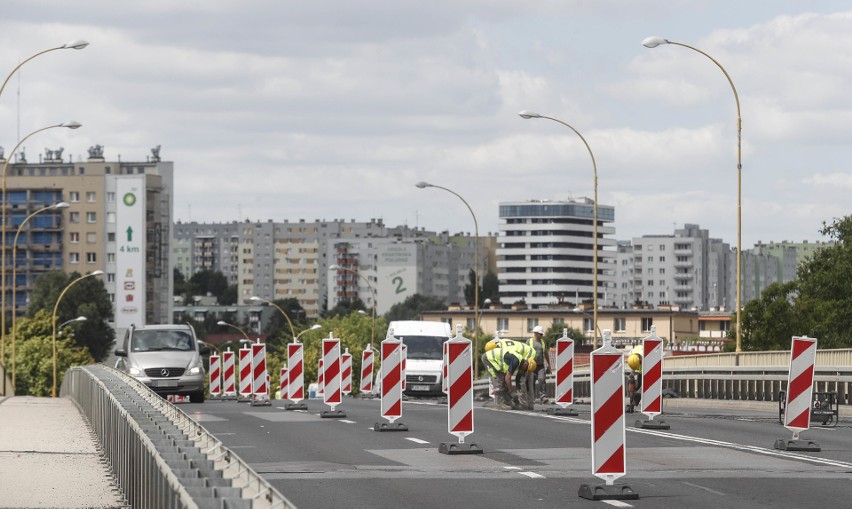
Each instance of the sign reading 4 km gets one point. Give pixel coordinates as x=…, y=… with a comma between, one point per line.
x=129, y=259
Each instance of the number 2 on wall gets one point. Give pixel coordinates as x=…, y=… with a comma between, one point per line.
x=398, y=282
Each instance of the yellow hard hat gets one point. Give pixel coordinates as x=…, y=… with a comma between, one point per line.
x=491, y=345
x=531, y=365
x=634, y=361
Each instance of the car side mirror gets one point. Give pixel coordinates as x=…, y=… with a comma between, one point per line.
x=204, y=350
x=120, y=352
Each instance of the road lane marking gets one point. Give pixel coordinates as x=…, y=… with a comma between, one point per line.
x=512, y=468
x=616, y=503
x=532, y=475
x=416, y=440
x=347, y=421
x=703, y=488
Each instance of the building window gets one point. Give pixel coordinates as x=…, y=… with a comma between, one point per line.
x=558, y=321
x=111, y=277
x=662, y=258
x=90, y=196
x=73, y=217
x=91, y=217
x=91, y=258
x=110, y=257
x=74, y=257
x=73, y=196
x=588, y=326
x=91, y=237
x=619, y=324
x=469, y=324
x=531, y=324
x=646, y=324
x=502, y=324
x=74, y=237
x=650, y=258
x=111, y=237
x=111, y=218
x=110, y=197
x=724, y=326
x=662, y=247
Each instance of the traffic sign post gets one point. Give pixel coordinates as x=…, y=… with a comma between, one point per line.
x=608, y=434
x=260, y=385
x=564, y=392
x=390, y=374
x=332, y=395
x=320, y=380
x=215, y=377
x=366, y=382
x=283, y=382
x=245, y=375
x=652, y=382
x=459, y=395
x=229, y=388
x=296, y=375
x=800, y=386
x=346, y=372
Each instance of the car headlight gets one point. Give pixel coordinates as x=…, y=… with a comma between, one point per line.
x=134, y=371
x=195, y=370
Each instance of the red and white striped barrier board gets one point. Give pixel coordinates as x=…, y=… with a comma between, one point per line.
x=460, y=387
x=444, y=366
x=390, y=373
x=245, y=372
x=215, y=375
x=331, y=371
x=346, y=372
x=228, y=374
x=320, y=380
x=404, y=359
x=797, y=414
x=366, y=384
x=564, y=370
x=607, y=368
x=295, y=364
x=260, y=387
x=652, y=374
x=283, y=382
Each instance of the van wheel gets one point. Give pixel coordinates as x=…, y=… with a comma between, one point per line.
x=196, y=397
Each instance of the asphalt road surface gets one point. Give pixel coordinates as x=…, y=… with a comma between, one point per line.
x=709, y=458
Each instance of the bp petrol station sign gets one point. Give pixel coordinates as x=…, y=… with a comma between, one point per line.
x=130, y=251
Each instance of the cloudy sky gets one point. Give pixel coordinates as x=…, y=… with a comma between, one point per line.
x=322, y=110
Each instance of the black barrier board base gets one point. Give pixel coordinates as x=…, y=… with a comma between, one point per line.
x=442, y=401
x=337, y=414
x=261, y=402
x=244, y=400
x=367, y=396
x=652, y=424
x=605, y=492
x=295, y=406
x=788, y=444
x=455, y=448
x=390, y=426
x=563, y=412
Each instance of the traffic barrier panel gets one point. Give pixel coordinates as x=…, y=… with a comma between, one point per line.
x=444, y=369
x=608, y=433
x=390, y=373
x=564, y=392
x=404, y=359
x=296, y=375
x=215, y=376
x=229, y=387
x=346, y=372
x=260, y=378
x=800, y=386
x=320, y=380
x=283, y=382
x=366, y=383
x=245, y=374
x=331, y=377
x=652, y=382
x=459, y=395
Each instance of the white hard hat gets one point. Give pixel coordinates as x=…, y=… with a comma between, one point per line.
x=539, y=329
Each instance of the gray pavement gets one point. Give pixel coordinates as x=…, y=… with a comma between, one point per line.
x=50, y=458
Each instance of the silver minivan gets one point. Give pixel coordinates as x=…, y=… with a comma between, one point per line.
x=166, y=358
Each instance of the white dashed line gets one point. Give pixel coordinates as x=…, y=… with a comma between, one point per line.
x=703, y=488
x=616, y=503
x=347, y=421
x=532, y=475
x=512, y=468
x=416, y=440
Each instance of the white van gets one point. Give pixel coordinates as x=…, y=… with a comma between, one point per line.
x=423, y=367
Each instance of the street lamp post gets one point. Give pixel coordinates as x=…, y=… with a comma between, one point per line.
x=530, y=114
x=76, y=44
x=53, y=318
x=422, y=185
x=276, y=306
x=5, y=204
x=55, y=206
x=312, y=327
x=221, y=322
x=373, y=290
x=653, y=42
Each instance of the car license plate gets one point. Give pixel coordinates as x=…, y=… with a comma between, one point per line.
x=419, y=387
x=166, y=383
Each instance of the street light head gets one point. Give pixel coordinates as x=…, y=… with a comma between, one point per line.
x=98, y=273
x=76, y=44
x=422, y=185
x=71, y=125
x=80, y=319
x=315, y=326
x=529, y=114
x=220, y=322
x=61, y=205
x=654, y=41
x=255, y=298
x=333, y=267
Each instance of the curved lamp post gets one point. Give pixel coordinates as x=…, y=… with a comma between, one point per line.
x=312, y=327
x=276, y=306
x=220, y=322
x=373, y=290
x=530, y=114
x=75, y=44
x=53, y=318
x=653, y=42
x=423, y=185
x=55, y=206
x=5, y=204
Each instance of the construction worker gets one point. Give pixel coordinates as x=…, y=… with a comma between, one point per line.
x=502, y=363
x=542, y=361
x=634, y=360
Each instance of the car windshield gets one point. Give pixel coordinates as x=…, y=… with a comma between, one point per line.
x=424, y=347
x=161, y=340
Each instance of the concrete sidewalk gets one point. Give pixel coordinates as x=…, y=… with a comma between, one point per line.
x=50, y=458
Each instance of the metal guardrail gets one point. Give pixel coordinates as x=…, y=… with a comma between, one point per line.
x=162, y=458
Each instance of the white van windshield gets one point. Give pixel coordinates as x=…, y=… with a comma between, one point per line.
x=161, y=340
x=424, y=347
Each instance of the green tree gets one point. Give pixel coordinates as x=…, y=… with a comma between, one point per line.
x=412, y=306
x=769, y=322
x=346, y=307
x=555, y=332
x=490, y=288
x=208, y=282
x=34, y=354
x=88, y=297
